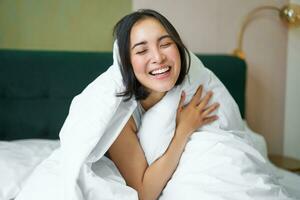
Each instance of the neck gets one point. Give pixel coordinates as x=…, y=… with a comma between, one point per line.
x=152, y=99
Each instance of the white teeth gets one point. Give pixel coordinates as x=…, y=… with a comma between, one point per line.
x=160, y=71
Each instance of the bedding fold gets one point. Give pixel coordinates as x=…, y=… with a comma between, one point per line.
x=78, y=169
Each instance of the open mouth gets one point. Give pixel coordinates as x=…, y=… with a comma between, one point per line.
x=160, y=71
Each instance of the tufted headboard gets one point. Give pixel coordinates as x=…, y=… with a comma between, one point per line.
x=36, y=87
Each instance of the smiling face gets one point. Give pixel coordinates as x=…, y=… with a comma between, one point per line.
x=154, y=56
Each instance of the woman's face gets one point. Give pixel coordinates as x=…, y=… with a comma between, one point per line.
x=154, y=56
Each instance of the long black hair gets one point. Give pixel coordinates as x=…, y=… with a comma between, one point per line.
x=122, y=32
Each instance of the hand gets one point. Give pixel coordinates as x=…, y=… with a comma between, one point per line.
x=196, y=113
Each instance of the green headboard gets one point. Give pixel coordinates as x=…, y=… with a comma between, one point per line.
x=36, y=87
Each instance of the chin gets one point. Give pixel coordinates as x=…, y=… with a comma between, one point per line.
x=164, y=88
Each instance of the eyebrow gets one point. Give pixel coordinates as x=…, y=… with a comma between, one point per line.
x=144, y=42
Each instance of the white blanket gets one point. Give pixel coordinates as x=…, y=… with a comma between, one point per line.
x=218, y=162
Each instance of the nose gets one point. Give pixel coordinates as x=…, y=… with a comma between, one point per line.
x=157, y=56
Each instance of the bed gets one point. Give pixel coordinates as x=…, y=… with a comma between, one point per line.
x=36, y=89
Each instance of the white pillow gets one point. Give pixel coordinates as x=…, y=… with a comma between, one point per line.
x=18, y=159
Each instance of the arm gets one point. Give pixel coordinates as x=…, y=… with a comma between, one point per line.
x=129, y=157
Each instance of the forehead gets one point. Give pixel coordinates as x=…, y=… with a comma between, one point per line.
x=147, y=29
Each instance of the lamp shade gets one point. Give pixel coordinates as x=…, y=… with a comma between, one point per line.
x=290, y=14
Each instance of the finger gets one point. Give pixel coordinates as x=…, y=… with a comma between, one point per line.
x=210, y=109
x=205, y=100
x=196, y=98
x=181, y=101
x=210, y=119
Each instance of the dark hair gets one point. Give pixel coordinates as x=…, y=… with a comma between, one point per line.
x=122, y=32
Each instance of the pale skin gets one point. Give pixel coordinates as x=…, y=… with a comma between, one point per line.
x=158, y=50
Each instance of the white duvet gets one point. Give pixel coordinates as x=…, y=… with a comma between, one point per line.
x=219, y=161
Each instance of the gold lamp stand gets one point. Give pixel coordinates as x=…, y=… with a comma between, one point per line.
x=289, y=14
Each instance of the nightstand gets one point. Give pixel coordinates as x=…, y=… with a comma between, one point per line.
x=290, y=164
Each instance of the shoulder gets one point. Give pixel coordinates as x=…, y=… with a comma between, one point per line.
x=130, y=125
x=126, y=136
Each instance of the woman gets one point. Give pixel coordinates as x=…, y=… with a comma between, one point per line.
x=154, y=60
x=218, y=162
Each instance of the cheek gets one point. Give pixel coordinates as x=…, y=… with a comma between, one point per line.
x=137, y=65
x=176, y=58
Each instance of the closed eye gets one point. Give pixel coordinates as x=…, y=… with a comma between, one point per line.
x=141, y=52
x=166, y=45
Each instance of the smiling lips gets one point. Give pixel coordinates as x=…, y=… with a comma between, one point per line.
x=160, y=71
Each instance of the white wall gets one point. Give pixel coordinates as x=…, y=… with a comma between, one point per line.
x=292, y=95
x=211, y=26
